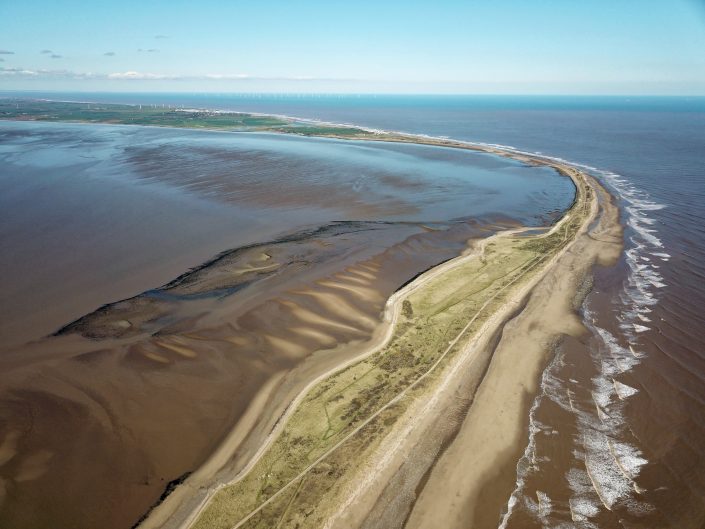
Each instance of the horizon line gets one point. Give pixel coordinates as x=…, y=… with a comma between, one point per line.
x=351, y=94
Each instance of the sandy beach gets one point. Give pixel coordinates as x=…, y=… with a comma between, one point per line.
x=294, y=327
x=496, y=397
x=470, y=472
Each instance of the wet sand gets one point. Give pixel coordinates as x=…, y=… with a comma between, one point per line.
x=112, y=211
x=137, y=375
x=147, y=389
x=452, y=461
x=569, y=272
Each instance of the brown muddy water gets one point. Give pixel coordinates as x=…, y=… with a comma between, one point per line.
x=273, y=253
x=615, y=436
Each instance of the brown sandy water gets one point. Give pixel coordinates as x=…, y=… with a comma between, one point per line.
x=616, y=433
x=96, y=421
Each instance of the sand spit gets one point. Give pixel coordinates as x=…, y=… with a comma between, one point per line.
x=125, y=375
x=245, y=333
x=470, y=481
x=483, y=393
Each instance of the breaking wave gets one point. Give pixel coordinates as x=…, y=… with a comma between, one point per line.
x=607, y=461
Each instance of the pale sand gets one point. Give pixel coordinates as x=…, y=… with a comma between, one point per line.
x=479, y=417
x=337, y=306
x=239, y=452
x=366, y=294
x=500, y=405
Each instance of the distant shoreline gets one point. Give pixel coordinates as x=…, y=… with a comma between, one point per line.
x=263, y=122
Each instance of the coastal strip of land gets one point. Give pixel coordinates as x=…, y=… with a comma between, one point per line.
x=307, y=467
x=455, y=463
x=447, y=386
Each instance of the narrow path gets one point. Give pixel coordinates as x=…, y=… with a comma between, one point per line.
x=393, y=401
x=392, y=311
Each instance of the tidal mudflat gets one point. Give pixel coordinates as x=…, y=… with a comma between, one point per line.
x=275, y=256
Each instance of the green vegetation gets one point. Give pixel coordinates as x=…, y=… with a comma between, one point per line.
x=31, y=110
x=322, y=130
x=344, y=418
x=37, y=110
x=407, y=309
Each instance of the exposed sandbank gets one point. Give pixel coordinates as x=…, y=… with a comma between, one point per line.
x=464, y=476
x=564, y=270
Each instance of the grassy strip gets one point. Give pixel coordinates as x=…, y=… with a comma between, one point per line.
x=31, y=110
x=360, y=394
x=37, y=110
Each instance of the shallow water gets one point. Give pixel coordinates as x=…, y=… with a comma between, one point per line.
x=93, y=214
x=323, y=231
x=652, y=152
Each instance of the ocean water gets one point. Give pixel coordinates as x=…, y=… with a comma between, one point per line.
x=617, y=435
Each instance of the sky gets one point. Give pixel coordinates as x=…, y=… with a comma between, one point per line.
x=635, y=47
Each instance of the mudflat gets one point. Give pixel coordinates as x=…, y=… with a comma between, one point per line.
x=380, y=438
x=179, y=391
x=187, y=378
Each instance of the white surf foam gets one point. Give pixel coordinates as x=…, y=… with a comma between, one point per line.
x=610, y=464
x=527, y=463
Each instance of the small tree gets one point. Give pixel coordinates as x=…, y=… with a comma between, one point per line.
x=406, y=308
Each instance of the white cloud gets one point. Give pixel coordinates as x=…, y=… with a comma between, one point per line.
x=226, y=76
x=132, y=75
x=18, y=71
x=48, y=74
x=136, y=75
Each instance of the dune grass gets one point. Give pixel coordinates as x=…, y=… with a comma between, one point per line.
x=345, y=417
